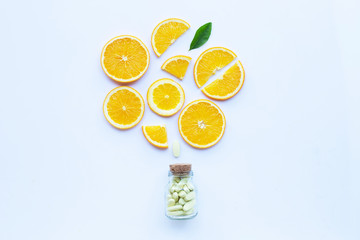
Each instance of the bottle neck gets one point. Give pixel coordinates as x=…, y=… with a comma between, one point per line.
x=185, y=174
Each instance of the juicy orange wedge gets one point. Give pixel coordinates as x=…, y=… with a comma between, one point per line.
x=156, y=135
x=177, y=66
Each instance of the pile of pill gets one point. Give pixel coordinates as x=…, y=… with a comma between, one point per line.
x=181, y=197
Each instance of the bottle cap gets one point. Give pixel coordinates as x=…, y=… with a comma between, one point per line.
x=180, y=168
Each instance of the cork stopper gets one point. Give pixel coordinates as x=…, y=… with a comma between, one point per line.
x=180, y=168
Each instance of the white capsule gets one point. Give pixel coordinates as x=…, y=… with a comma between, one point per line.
x=189, y=196
x=175, y=208
x=172, y=189
x=175, y=196
x=176, y=213
x=168, y=196
x=176, y=179
x=181, y=201
x=171, y=202
x=177, y=188
x=189, y=205
x=183, y=181
x=186, y=189
x=182, y=194
x=176, y=148
x=190, y=186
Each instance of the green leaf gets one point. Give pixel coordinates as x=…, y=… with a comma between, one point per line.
x=201, y=36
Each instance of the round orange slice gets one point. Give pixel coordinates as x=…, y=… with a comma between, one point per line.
x=123, y=107
x=156, y=135
x=202, y=123
x=165, y=97
x=228, y=85
x=125, y=58
x=177, y=66
x=166, y=33
x=211, y=61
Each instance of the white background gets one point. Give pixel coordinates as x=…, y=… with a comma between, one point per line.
x=286, y=168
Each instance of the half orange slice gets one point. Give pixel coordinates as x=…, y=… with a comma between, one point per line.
x=211, y=61
x=228, y=85
x=166, y=33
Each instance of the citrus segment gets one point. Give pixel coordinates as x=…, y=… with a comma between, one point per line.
x=125, y=58
x=228, y=85
x=211, y=61
x=202, y=123
x=165, y=34
x=123, y=107
x=177, y=66
x=165, y=97
x=156, y=135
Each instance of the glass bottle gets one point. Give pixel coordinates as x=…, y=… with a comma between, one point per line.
x=180, y=193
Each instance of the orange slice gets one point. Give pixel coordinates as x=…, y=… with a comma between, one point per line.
x=156, y=135
x=177, y=66
x=165, y=97
x=228, y=85
x=125, y=58
x=202, y=123
x=123, y=107
x=166, y=33
x=211, y=61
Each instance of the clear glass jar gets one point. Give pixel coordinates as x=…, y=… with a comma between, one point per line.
x=180, y=193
